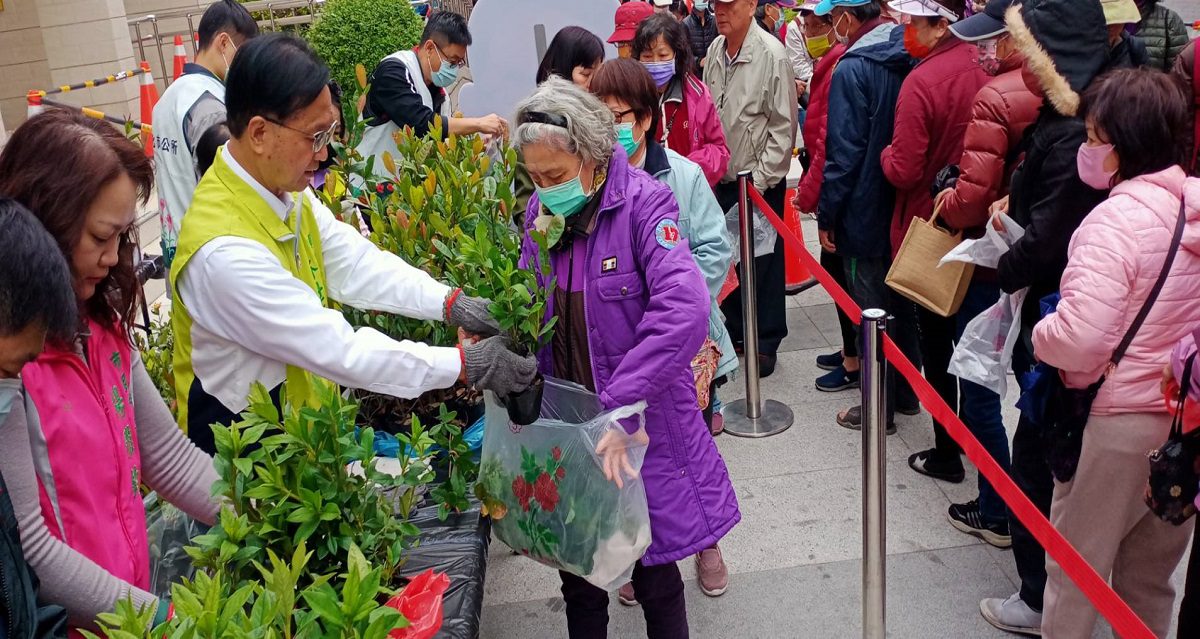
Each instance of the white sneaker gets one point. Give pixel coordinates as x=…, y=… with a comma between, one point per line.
x=1013, y=615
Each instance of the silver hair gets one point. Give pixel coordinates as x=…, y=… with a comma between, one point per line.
x=589, y=133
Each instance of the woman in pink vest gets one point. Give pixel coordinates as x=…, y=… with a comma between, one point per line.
x=91, y=429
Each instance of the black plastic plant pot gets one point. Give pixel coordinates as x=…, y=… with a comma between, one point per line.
x=526, y=406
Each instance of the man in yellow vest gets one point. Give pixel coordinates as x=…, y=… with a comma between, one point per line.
x=260, y=259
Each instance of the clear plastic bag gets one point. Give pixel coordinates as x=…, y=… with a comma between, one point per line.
x=764, y=232
x=984, y=351
x=169, y=531
x=986, y=251
x=545, y=490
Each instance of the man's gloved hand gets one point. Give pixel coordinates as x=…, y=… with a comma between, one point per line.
x=490, y=365
x=470, y=314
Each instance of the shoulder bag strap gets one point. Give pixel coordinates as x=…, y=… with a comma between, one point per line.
x=1158, y=284
x=1184, y=384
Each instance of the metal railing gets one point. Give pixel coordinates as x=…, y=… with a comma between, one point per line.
x=157, y=31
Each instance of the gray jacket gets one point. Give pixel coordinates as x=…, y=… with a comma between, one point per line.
x=756, y=98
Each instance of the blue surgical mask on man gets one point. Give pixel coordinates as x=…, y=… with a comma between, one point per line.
x=700, y=5
x=447, y=74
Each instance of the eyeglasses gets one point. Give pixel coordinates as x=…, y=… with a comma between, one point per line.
x=319, y=140
x=457, y=65
x=620, y=115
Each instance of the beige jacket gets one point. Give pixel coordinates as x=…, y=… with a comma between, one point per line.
x=756, y=97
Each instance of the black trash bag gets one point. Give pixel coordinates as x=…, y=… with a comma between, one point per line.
x=457, y=547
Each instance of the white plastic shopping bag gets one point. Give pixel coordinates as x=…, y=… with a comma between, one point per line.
x=764, y=232
x=984, y=352
x=544, y=487
x=986, y=251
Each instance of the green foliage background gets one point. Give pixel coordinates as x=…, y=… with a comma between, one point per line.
x=351, y=32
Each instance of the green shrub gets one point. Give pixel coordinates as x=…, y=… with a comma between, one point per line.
x=351, y=32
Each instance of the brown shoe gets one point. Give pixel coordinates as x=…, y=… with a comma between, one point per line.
x=714, y=576
x=625, y=595
x=718, y=424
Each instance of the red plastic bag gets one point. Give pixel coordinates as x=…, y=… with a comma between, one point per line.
x=421, y=603
x=731, y=283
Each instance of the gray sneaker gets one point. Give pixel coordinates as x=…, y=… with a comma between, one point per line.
x=1012, y=614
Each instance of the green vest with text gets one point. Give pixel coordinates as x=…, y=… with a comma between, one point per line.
x=226, y=206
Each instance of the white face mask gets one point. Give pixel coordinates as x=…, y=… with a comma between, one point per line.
x=10, y=390
x=235, y=49
x=844, y=39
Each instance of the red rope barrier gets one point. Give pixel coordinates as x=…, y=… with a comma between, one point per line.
x=1118, y=613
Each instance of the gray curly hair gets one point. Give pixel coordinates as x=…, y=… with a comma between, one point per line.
x=589, y=131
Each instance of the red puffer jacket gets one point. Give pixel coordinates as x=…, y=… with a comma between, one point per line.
x=931, y=120
x=815, y=119
x=1002, y=110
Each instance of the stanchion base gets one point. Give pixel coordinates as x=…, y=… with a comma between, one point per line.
x=775, y=418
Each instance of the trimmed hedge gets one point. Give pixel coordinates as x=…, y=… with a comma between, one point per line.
x=352, y=32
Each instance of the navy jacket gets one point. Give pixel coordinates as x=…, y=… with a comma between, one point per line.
x=856, y=199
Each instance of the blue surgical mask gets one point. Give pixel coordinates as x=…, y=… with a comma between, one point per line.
x=662, y=72
x=700, y=5
x=446, y=75
x=10, y=390
x=564, y=199
x=625, y=137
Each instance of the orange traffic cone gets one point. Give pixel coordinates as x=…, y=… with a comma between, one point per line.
x=797, y=277
x=33, y=103
x=149, y=97
x=180, y=58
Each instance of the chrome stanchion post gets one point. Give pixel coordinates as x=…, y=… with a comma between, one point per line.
x=874, y=488
x=752, y=417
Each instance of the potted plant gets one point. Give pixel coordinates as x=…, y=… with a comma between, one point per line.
x=445, y=206
x=284, y=478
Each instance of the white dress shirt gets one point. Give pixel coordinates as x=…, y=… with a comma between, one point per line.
x=251, y=316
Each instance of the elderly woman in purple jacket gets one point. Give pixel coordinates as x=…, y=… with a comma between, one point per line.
x=632, y=311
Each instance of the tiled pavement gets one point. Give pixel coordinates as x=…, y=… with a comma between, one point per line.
x=795, y=558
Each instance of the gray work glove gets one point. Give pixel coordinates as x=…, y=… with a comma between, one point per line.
x=470, y=314
x=490, y=365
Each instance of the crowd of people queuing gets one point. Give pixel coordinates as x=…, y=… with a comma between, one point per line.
x=1073, y=118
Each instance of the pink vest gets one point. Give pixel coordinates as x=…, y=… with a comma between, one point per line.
x=85, y=450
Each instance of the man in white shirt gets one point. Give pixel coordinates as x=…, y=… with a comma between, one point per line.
x=260, y=259
x=192, y=104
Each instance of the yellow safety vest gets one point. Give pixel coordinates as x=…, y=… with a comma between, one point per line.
x=225, y=205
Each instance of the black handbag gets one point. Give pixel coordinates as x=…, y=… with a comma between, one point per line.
x=1175, y=466
x=1067, y=409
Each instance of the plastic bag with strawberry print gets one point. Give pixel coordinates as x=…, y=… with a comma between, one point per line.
x=545, y=489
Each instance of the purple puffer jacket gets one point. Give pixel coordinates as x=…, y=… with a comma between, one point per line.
x=647, y=315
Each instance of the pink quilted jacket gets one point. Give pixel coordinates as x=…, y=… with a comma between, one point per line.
x=1114, y=258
